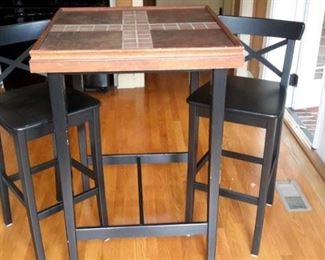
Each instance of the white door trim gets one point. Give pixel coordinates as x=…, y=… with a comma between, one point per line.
x=319, y=137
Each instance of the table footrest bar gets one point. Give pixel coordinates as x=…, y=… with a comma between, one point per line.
x=145, y=158
x=59, y=206
x=172, y=229
x=140, y=192
x=83, y=169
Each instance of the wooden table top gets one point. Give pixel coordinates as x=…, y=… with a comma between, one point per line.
x=135, y=39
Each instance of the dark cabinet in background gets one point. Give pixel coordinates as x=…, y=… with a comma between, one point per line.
x=13, y=11
x=19, y=11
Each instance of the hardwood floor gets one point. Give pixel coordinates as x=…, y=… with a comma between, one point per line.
x=155, y=119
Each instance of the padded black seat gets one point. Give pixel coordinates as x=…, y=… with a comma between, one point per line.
x=29, y=107
x=249, y=101
x=247, y=96
x=25, y=113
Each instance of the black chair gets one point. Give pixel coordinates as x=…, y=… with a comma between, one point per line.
x=249, y=101
x=25, y=113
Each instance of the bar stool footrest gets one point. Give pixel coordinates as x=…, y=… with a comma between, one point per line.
x=59, y=206
x=229, y=193
x=83, y=169
x=35, y=169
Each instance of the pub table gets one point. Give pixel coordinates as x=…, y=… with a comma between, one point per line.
x=191, y=38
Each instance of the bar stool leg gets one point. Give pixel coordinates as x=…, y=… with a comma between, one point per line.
x=4, y=193
x=264, y=183
x=191, y=162
x=96, y=154
x=192, y=149
x=82, y=141
x=57, y=173
x=276, y=152
x=28, y=191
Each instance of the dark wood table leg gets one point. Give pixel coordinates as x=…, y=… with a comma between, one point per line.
x=58, y=103
x=215, y=147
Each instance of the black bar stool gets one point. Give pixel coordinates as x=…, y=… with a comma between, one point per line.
x=25, y=113
x=249, y=101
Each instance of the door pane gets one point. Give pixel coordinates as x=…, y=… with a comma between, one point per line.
x=306, y=115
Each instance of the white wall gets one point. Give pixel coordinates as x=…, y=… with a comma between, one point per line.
x=246, y=9
x=134, y=3
x=137, y=2
x=214, y=4
x=228, y=7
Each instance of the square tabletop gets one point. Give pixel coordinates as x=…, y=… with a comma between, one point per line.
x=135, y=39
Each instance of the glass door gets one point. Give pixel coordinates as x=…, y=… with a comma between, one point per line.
x=309, y=63
x=306, y=98
x=306, y=101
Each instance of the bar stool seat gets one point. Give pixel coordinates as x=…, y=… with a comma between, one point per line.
x=250, y=96
x=29, y=107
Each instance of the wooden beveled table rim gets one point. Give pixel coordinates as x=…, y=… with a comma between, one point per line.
x=145, y=59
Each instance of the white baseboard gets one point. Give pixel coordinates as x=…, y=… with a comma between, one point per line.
x=129, y=80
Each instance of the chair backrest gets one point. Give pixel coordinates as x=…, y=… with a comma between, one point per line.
x=289, y=31
x=24, y=35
